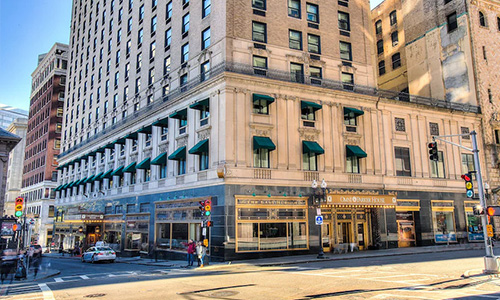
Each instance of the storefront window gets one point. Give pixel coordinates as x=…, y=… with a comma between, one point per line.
x=474, y=227
x=444, y=226
x=406, y=229
x=248, y=236
x=137, y=236
x=113, y=236
x=272, y=236
x=163, y=236
x=297, y=235
x=179, y=236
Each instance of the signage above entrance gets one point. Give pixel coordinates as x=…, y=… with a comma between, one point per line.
x=366, y=200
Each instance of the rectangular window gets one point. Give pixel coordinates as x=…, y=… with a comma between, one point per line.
x=185, y=53
x=206, y=9
x=151, y=77
x=153, y=25
x=380, y=47
x=260, y=4
x=140, y=36
x=352, y=164
x=137, y=85
x=297, y=72
x=261, y=106
x=261, y=158
x=347, y=81
x=183, y=80
x=141, y=13
x=468, y=163
x=394, y=38
x=437, y=167
x=166, y=65
x=312, y=13
x=204, y=161
x=259, y=62
x=310, y=161
x=403, y=166
x=294, y=8
x=381, y=68
x=344, y=23
x=345, y=51
x=205, y=71
x=396, y=61
x=181, y=167
x=452, y=22
x=315, y=72
x=168, y=37
x=152, y=50
x=295, y=39
x=168, y=15
x=259, y=32
x=313, y=43
x=185, y=23
x=205, y=38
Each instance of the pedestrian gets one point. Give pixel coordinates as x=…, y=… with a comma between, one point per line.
x=61, y=249
x=37, y=260
x=201, y=251
x=8, y=264
x=191, y=249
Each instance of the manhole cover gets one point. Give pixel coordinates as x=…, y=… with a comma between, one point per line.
x=95, y=295
x=224, y=294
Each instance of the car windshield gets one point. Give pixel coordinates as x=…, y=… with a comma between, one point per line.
x=104, y=249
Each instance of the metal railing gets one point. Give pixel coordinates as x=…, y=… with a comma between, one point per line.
x=239, y=68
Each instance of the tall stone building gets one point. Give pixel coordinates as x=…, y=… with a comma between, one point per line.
x=246, y=104
x=43, y=140
x=450, y=53
x=7, y=142
x=15, y=169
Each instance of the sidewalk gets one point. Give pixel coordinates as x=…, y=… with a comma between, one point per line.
x=296, y=259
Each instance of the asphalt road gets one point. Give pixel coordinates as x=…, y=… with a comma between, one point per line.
x=422, y=276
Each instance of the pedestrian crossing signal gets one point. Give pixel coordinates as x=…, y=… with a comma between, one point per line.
x=493, y=211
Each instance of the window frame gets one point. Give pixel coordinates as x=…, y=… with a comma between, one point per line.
x=291, y=41
x=256, y=33
x=309, y=44
x=294, y=12
x=314, y=15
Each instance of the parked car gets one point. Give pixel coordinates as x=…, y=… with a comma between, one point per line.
x=101, y=253
x=37, y=250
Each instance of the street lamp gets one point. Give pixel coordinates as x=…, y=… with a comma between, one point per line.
x=317, y=203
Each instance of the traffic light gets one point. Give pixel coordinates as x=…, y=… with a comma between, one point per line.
x=208, y=207
x=202, y=207
x=19, y=207
x=209, y=223
x=478, y=210
x=493, y=211
x=468, y=185
x=433, y=151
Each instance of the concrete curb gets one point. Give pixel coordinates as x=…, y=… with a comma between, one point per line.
x=57, y=272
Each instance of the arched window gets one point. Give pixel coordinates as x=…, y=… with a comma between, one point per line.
x=393, y=18
x=378, y=27
x=482, y=20
x=381, y=68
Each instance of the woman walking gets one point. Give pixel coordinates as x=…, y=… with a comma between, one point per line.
x=201, y=251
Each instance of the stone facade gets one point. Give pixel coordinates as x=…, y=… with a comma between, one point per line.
x=7, y=142
x=15, y=172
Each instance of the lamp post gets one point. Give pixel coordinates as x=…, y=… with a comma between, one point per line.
x=317, y=203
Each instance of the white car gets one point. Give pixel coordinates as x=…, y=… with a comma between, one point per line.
x=100, y=253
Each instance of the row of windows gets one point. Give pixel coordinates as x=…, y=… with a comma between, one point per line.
x=34, y=150
x=57, y=63
x=396, y=63
x=393, y=19
x=34, y=179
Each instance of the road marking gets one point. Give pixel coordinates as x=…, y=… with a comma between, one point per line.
x=392, y=296
x=84, y=277
x=58, y=279
x=47, y=293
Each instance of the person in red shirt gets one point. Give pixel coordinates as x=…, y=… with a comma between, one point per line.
x=191, y=250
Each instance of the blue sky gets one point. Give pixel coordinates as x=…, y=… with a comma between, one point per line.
x=29, y=28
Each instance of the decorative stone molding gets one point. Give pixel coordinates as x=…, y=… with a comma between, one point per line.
x=121, y=162
x=348, y=69
x=309, y=134
x=257, y=51
x=259, y=129
x=133, y=157
x=204, y=55
x=182, y=141
x=163, y=147
x=204, y=133
x=148, y=152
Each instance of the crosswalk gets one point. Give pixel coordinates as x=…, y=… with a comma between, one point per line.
x=27, y=291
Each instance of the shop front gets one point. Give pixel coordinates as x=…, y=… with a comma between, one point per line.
x=137, y=234
x=80, y=230
x=351, y=218
x=474, y=225
x=407, y=212
x=113, y=226
x=443, y=218
x=176, y=222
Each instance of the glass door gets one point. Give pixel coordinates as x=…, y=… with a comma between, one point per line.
x=326, y=233
x=344, y=232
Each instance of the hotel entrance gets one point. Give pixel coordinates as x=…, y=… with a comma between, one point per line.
x=348, y=220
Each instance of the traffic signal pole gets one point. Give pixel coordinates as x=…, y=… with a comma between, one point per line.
x=490, y=261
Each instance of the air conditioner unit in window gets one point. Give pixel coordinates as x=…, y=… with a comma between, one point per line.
x=394, y=44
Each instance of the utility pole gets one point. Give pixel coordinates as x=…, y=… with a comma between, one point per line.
x=490, y=261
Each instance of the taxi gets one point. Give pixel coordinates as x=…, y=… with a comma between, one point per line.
x=99, y=253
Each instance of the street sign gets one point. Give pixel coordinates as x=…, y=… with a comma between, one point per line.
x=489, y=229
x=319, y=220
x=32, y=221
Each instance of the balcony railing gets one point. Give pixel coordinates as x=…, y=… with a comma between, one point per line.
x=245, y=69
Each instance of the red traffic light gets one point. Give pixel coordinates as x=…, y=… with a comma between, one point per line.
x=208, y=202
x=210, y=223
x=19, y=201
x=466, y=177
x=432, y=145
x=493, y=211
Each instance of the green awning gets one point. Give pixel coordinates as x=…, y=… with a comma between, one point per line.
x=262, y=142
x=64, y=186
x=108, y=174
x=312, y=147
x=70, y=185
x=89, y=179
x=145, y=164
x=130, y=168
x=355, y=151
x=161, y=123
x=101, y=150
x=179, y=115
x=60, y=167
x=71, y=163
x=257, y=97
x=58, y=188
x=118, y=172
x=147, y=130
x=97, y=177
x=314, y=106
x=132, y=136
x=200, y=105
x=160, y=159
x=354, y=111
x=120, y=141
x=110, y=146
x=82, y=181
x=179, y=154
x=200, y=147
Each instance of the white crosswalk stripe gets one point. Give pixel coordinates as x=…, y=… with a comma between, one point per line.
x=28, y=291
